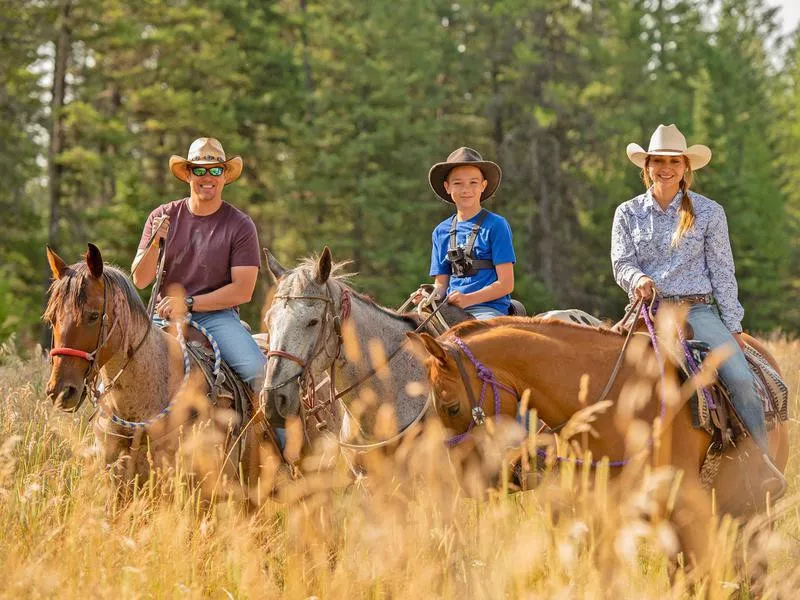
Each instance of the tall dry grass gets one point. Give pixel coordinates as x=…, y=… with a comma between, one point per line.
x=407, y=531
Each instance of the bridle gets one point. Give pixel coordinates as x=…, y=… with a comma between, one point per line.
x=306, y=378
x=92, y=370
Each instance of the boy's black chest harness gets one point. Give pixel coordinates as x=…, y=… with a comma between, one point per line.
x=461, y=260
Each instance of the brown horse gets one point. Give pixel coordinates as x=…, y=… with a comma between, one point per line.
x=106, y=348
x=549, y=358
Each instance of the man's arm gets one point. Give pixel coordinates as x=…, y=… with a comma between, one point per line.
x=238, y=291
x=143, y=269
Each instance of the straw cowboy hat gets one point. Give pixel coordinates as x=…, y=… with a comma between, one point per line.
x=459, y=158
x=206, y=151
x=667, y=140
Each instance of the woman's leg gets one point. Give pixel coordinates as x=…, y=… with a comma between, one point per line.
x=735, y=371
x=236, y=345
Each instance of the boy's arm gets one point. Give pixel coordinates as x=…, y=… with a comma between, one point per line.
x=504, y=285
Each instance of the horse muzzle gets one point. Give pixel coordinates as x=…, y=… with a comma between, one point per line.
x=281, y=402
x=67, y=397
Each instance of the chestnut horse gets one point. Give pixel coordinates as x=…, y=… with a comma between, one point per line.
x=549, y=358
x=102, y=335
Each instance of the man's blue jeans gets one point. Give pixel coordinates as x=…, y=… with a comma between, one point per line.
x=236, y=345
x=736, y=374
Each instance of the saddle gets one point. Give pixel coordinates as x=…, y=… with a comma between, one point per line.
x=715, y=413
x=225, y=388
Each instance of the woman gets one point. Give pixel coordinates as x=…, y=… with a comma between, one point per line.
x=674, y=242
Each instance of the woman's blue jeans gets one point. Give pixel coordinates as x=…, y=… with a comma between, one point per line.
x=481, y=312
x=734, y=372
x=236, y=345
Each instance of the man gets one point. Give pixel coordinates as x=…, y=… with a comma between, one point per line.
x=472, y=259
x=212, y=252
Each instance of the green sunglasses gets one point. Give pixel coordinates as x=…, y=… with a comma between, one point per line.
x=215, y=171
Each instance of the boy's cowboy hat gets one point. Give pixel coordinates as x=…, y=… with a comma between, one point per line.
x=667, y=140
x=206, y=151
x=459, y=158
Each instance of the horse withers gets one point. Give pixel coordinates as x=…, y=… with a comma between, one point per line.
x=146, y=390
x=562, y=363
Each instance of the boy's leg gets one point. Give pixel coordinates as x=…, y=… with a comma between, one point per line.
x=236, y=345
x=481, y=312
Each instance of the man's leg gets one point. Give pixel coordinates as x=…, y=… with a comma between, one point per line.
x=236, y=345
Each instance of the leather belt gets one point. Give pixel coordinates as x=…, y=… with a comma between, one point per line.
x=690, y=299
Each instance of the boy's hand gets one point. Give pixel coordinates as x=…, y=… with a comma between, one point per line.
x=458, y=299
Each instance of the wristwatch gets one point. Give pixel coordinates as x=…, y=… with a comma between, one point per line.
x=189, y=303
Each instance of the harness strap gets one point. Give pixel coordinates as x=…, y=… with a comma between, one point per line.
x=470, y=242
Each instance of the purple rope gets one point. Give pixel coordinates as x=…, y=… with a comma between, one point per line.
x=652, y=331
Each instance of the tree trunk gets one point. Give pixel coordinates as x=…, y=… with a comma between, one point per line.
x=63, y=50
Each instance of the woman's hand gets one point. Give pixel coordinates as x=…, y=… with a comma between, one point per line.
x=645, y=288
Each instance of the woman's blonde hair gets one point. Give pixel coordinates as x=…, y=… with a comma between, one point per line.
x=686, y=210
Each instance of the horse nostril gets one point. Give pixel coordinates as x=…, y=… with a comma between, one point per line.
x=66, y=394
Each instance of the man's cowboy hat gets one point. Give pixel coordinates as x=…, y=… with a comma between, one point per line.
x=206, y=151
x=667, y=140
x=460, y=158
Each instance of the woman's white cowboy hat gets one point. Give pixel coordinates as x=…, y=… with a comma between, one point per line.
x=206, y=151
x=667, y=140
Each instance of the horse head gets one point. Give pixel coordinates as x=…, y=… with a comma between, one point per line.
x=302, y=331
x=448, y=382
x=84, y=310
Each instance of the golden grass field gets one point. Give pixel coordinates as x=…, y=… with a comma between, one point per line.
x=407, y=531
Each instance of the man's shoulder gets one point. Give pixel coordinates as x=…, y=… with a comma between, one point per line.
x=494, y=220
x=236, y=216
x=169, y=208
x=444, y=227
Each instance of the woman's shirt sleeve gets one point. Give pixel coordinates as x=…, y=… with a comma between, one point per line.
x=623, y=254
x=721, y=271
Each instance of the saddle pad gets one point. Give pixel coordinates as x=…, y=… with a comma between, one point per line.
x=771, y=389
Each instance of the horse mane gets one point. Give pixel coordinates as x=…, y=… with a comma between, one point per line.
x=68, y=293
x=303, y=274
x=468, y=328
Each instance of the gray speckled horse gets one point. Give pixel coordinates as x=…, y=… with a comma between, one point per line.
x=302, y=324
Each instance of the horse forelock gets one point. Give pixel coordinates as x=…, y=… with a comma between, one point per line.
x=69, y=293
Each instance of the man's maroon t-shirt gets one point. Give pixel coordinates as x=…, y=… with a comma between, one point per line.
x=202, y=249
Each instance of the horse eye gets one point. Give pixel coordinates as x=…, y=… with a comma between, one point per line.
x=313, y=322
x=453, y=410
x=93, y=316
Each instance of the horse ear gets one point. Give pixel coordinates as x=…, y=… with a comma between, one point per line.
x=95, y=261
x=275, y=267
x=430, y=345
x=324, y=265
x=57, y=266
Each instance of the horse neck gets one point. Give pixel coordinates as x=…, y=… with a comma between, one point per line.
x=550, y=361
x=148, y=380
x=369, y=324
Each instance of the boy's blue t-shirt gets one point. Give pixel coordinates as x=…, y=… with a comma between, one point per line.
x=492, y=243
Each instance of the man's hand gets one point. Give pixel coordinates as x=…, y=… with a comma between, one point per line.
x=644, y=288
x=163, y=229
x=171, y=307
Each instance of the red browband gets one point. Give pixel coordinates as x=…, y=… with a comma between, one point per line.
x=72, y=352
